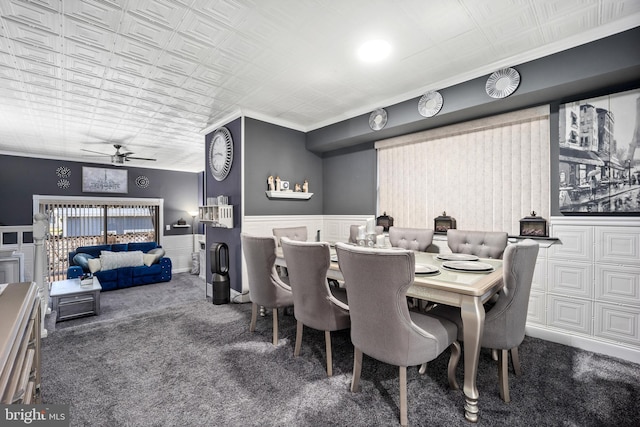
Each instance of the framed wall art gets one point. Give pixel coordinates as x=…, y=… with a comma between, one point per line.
x=103, y=180
x=599, y=160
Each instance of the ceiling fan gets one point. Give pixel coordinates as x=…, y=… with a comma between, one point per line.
x=119, y=157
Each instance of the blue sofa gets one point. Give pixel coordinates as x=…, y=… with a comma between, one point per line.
x=123, y=277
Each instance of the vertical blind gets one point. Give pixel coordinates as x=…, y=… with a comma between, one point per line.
x=486, y=173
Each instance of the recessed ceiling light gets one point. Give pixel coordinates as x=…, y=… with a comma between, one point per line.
x=374, y=50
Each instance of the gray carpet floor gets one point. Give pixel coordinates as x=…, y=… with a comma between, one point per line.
x=187, y=362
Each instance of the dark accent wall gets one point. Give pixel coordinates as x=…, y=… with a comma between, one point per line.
x=351, y=174
x=605, y=66
x=22, y=177
x=279, y=151
x=232, y=188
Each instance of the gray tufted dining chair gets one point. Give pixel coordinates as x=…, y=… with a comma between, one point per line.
x=294, y=233
x=416, y=239
x=315, y=304
x=505, y=322
x=381, y=324
x=484, y=244
x=353, y=232
x=266, y=289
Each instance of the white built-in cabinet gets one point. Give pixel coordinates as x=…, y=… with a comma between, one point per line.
x=587, y=285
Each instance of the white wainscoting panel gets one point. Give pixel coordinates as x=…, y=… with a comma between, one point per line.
x=616, y=245
x=617, y=323
x=179, y=249
x=592, y=286
x=618, y=284
x=536, y=312
x=540, y=272
x=571, y=278
x=572, y=314
x=576, y=243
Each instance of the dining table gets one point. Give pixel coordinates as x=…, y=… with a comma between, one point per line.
x=465, y=289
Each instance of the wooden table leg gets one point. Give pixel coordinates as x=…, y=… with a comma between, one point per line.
x=473, y=325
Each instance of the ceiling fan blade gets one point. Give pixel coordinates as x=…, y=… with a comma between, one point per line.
x=140, y=158
x=96, y=152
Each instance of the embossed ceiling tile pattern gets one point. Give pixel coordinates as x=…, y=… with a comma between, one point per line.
x=100, y=13
x=31, y=35
x=145, y=31
x=163, y=12
x=153, y=73
x=31, y=15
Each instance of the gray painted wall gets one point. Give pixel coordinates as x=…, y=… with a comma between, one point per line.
x=22, y=177
x=349, y=180
x=606, y=66
x=232, y=188
x=279, y=151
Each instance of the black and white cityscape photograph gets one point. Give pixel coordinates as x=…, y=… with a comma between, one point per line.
x=599, y=165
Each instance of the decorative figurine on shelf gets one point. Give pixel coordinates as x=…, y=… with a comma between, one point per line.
x=297, y=188
x=270, y=183
x=277, y=183
x=305, y=186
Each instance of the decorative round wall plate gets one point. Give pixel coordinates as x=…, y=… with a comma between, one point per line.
x=502, y=83
x=221, y=154
x=430, y=104
x=378, y=119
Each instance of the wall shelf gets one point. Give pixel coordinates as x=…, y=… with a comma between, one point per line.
x=216, y=215
x=181, y=226
x=288, y=195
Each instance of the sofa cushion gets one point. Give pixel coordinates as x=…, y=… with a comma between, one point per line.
x=82, y=260
x=142, y=246
x=114, y=260
x=153, y=256
x=119, y=247
x=93, y=250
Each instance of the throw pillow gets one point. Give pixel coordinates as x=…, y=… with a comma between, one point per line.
x=148, y=259
x=94, y=265
x=158, y=253
x=113, y=260
x=82, y=259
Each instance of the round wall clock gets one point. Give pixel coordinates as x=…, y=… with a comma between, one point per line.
x=430, y=104
x=378, y=119
x=221, y=154
x=502, y=83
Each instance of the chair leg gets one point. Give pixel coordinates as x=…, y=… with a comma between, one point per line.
x=299, y=326
x=423, y=369
x=357, y=368
x=254, y=316
x=274, y=313
x=494, y=354
x=515, y=359
x=503, y=374
x=327, y=339
x=456, y=351
x=403, y=396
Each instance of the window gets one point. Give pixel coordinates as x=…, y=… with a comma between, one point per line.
x=75, y=222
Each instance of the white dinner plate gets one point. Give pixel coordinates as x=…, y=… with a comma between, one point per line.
x=426, y=269
x=470, y=266
x=457, y=257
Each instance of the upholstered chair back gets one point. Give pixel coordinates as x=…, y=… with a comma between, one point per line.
x=505, y=322
x=381, y=326
x=485, y=244
x=294, y=233
x=416, y=239
x=353, y=232
x=308, y=263
x=265, y=286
